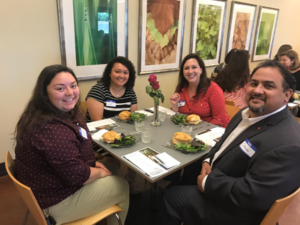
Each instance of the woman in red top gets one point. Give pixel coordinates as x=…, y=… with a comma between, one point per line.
x=196, y=94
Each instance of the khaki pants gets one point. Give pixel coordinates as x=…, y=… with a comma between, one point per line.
x=93, y=198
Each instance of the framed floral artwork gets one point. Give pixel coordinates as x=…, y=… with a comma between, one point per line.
x=265, y=33
x=160, y=35
x=92, y=32
x=207, y=30
x=242, y=19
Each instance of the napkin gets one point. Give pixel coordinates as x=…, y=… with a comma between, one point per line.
x=98, y=135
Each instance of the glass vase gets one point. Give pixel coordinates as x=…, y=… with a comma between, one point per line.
x=155, y=121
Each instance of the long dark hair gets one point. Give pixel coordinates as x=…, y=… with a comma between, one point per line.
x=124, y=61
x=236, y=74
x=39, y=108
x=204, y=81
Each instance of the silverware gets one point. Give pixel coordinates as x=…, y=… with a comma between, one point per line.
x=168, y=145
x=149, y=110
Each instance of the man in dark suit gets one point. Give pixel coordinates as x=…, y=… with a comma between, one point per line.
x=256, y=162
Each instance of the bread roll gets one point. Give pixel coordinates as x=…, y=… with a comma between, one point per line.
x=124, y=115
x=181, y=137
x=193, y=119
x=296, y=96
x=110, y=136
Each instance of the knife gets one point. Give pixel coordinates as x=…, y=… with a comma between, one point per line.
x=149, y=110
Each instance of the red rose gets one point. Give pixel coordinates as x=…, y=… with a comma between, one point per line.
x=155, y=85
x=152, y=78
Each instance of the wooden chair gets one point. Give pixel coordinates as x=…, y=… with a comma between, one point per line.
x=83, y=105
x=278, y=209
x=231, y=110
x=34, y=208
x=228, y=102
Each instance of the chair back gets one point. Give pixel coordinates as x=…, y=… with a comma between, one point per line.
x=228, y=102
x=34, y=208
x=231, y=110
x=83, y=105
x=25, y=192
x=277, y=209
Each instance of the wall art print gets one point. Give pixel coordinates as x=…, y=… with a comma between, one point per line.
x=265, y=33
x=160, y=35
x=241, y=26
x=207, y=30
x=92, y=32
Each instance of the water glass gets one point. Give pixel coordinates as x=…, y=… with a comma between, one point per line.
x=139, y=126
x=147, y=134
x=162, y=115
x=186, y=129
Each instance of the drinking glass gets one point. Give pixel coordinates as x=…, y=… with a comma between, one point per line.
x=186, y=129
x=162, y=115
x=147, y=134
x=139, y=126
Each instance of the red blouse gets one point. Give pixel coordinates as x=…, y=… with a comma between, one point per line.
x=211, y=107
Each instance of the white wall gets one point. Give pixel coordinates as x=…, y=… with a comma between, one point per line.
x=29, y=41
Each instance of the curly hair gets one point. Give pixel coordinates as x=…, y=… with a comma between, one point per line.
x=105, y=79
x=204, y=81
x=292, y=55
x=39, y=108
x=236, y=74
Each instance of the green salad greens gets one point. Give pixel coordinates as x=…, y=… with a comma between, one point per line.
x=179, y=119
x=139, y=117
x=194, y=146
x=124, y=140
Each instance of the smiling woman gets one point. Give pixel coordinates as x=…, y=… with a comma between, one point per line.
x=114, y=92
x=63, y=91
x=54, y=153
x=196, y=94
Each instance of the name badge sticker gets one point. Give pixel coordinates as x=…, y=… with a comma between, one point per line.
x=83, y=132
x=248, y=148
x=111, y=103
x=181, y=103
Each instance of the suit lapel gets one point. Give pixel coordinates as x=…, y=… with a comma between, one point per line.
x=254, y=129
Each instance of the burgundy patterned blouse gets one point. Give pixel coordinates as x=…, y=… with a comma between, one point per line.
x=54, y=160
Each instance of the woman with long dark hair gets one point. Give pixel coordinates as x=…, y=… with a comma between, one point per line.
x=54, y=154
x=233, y=79
x=196, y=94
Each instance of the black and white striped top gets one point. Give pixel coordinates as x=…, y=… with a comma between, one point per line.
x=112, y=105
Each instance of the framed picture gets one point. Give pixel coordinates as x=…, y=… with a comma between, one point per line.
x=160, y=35
x=241, y=26
x=207, y=30
x=265, y=33
x=92, y=32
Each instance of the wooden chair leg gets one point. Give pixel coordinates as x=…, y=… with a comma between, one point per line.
x=26, y=217
x=118, y=218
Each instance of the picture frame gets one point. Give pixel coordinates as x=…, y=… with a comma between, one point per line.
x=242, y=18
x=92, y=32
x=207, y=35
x=265, y=33
x=161, y=29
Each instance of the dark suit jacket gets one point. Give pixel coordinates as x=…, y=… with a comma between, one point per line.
x=247, y=187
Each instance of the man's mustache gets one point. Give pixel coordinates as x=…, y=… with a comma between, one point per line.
x=256, y=96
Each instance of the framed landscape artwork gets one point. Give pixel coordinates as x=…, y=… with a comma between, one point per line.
x=241, y=26
x=92, y=32
x=160, y=35
x=207, y=30
x=265, y=33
